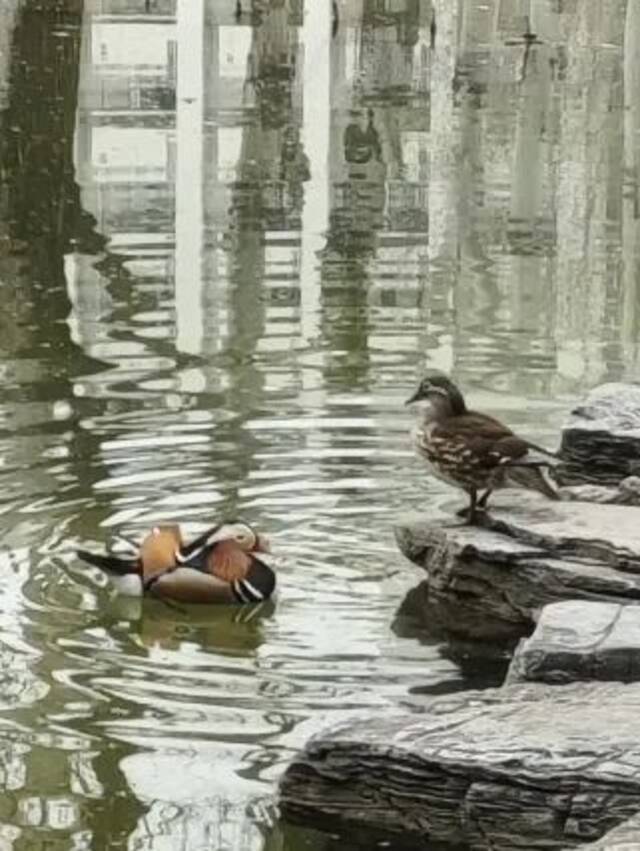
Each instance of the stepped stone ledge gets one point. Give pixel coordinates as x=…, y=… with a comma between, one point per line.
x=530, y=552
x=601, y=438
x=577, y=640
x=550, y=760
x=521, y=767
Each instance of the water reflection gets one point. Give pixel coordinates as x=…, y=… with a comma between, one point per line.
x=230, y=236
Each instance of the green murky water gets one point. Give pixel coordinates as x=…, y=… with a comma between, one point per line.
x=231, y=237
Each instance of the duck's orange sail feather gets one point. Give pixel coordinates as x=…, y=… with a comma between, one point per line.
x=158, y=550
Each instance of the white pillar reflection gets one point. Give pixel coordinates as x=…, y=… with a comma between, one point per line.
x=444, y=162
x=630, y=221
x=189, y=195
x=316, y=35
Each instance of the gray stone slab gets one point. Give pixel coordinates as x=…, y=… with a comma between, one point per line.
x=626, y=492
x=601, y=440
x=530, y=553
x=578, y=640
x=523, y=767
x=605, y=533
x=626, y=837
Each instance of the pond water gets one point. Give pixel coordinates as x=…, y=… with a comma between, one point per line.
x=232, y=236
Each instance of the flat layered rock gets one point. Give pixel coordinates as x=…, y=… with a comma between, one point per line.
x=531, y=552
x=626, y=837
x=523, y=767
x=606, y=533
x=626, y=492
x=578, y=640
x=601, y=441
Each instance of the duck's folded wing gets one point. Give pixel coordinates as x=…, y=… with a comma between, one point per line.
x=489, y=443
x=475, y=441
x=109, y=563
x=515, y=451
x=185, y=585
x=532, y=476
x=523, y=467
x=257, y=585
x=473, y=424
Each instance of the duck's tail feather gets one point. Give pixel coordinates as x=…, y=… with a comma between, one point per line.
x=550, y=457
x=109, y=563
x=533, y=476
x=120, y=545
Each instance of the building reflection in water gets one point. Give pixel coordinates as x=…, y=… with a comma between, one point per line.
x=374, y=256
x=195, y=163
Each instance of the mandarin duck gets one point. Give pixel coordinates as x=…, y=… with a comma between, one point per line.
x=223, y=565
x=474, y=451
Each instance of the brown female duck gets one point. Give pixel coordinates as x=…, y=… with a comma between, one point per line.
x=223, y=565
x=474, y=451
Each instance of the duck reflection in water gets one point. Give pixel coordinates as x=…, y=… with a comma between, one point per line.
x=225, y=564
x=225, y=629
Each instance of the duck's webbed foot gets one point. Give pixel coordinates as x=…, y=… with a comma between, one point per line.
x=476, y=510
x=471, y=517
x=484, y=499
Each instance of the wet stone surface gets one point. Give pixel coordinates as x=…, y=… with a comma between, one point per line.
x=550, y=759
x=578, y=640
x=625, y=837
x=601, y=440
x=530, y=552
x=626, y=492
x=527, y=766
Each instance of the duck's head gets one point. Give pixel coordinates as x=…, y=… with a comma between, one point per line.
x=242, y=534
x=442, y=394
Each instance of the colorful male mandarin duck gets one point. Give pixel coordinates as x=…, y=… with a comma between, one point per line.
x=223, y=565
x=473, y=451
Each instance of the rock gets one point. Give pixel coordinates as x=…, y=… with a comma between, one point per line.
x=626, y=492
x=629, y=489
x=626, y=837
x=601, y=441
x=579, y=640
x=609, y=534
x=459, y=620
x=523, y=767
x=530, y=553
